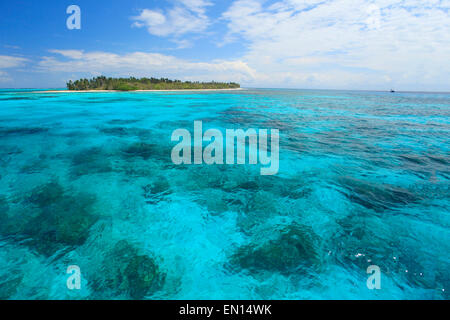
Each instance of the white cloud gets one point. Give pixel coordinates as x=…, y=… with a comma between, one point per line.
x=187, y=16
x=197, y=6
x=348, y=44
x=140, y=64
x=351, y=44
x=183, y=43
x=8, y=46
x=9, y=62
x=72, y=54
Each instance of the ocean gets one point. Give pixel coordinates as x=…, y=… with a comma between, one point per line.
x=87, y=184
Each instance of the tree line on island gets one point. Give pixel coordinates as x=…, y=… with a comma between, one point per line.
x=132, y=84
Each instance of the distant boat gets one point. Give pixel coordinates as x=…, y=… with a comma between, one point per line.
x=392, y=90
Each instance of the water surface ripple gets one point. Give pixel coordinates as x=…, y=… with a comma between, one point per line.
x=86, y=179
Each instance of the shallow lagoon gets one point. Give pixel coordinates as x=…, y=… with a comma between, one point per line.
x=86, y=179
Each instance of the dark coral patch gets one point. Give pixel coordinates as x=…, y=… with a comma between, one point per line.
x=127, y=132
x=156, y=190
x=21, y=131
x=16, y=98
x=292, y=251
x=128, y=273
x=9, y=284
x=4, y=206
x=377, y=197
x=90, y=161
x=46, y=195
x=116, y=131
x=64, y=219
x=52, y=219
x=140, y=149
x=122, y=121
x=9, y=150
x=147, y=151
x=4, y=217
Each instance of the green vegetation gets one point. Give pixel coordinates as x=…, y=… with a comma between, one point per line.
x=132, y=84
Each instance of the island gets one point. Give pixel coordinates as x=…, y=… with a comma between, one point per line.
x=103, y=83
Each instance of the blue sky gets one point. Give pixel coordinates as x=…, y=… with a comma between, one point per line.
x=337, y=44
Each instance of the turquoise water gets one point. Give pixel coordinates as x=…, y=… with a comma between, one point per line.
x=87, y=180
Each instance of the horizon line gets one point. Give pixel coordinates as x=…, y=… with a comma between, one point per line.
x=271, y=88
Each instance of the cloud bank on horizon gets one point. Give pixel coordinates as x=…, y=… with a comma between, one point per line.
x=342, y=44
